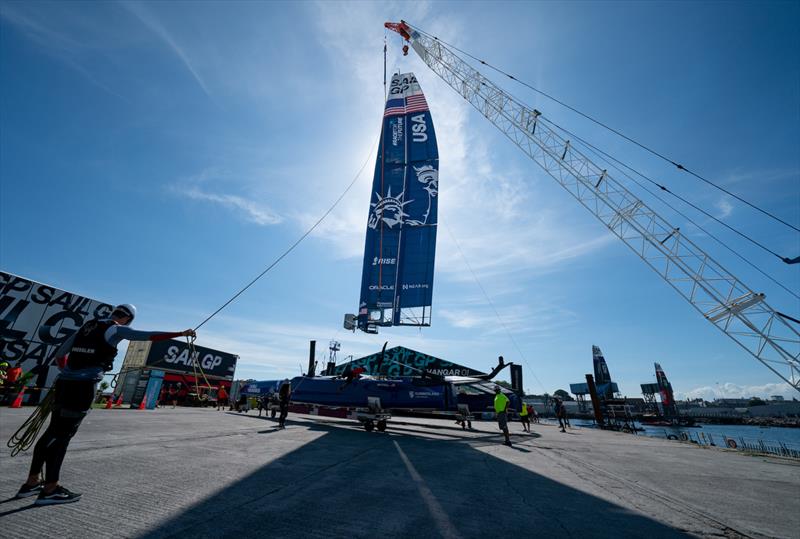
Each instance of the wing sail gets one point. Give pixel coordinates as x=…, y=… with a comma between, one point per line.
x=400, y=246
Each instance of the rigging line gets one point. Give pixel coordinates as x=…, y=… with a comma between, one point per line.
x=784, y=259
x=685, y=201
x=384, y=66
x=497, y=314
x=295, y=244
x=610, y=160
x=609, y=128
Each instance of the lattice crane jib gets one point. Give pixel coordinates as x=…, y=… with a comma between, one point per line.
x=726, y=302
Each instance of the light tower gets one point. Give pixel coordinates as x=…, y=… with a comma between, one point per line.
x=333, y=347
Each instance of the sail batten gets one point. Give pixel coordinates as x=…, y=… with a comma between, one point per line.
x=400, y=245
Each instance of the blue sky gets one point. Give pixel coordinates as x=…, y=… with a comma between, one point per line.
x=163, y=154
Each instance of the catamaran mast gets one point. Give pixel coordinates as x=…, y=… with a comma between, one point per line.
x=726, y=302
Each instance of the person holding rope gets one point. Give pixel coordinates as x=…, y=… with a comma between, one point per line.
x=83, y=359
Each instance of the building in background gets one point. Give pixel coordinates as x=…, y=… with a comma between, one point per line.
x=173, y=370
x=401, y=361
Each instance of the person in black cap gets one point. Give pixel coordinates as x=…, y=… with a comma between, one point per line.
x=83, y=358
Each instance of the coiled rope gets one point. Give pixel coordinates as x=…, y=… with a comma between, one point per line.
x=24, y=437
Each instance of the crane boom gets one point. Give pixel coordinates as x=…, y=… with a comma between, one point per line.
x=726, y=302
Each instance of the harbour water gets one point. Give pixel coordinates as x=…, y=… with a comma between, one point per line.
x=708, y=433
x=788, y=436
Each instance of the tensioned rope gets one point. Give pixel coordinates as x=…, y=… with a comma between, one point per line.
x=295, y=244
x=618, y=133
x=496, y=313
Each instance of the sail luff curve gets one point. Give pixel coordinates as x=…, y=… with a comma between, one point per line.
x=400, y=244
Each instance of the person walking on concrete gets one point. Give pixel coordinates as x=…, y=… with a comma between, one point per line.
x=525, y=418
x=284, y=396
x=501, y=403
x=222, y=397
x=532, y=411
x=83, y=358
x=561, y=414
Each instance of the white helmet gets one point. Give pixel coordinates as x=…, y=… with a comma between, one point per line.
x=124, y=309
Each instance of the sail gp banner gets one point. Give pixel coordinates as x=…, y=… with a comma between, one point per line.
x=401, y=228
x=36, y=318
x=172, y=355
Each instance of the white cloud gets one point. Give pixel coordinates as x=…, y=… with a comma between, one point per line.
x=488, y=206
x=724, y=206
x=535, y=321
x=269, y=349
x=730, y=390
x=249, y=210
x=246, y=207
x=154, y=25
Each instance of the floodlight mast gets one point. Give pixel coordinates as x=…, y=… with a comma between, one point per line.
x=721, y=298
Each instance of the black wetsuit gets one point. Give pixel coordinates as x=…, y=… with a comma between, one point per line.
x=91, y=353
x=72, y=398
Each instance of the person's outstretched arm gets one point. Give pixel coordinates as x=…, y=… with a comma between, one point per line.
x=115, y=334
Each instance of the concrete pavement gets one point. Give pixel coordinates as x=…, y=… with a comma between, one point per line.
x=169, y=473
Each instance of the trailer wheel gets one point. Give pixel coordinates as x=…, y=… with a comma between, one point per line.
x=369, y=426
x=382, y=425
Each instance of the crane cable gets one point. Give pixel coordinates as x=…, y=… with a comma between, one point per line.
x=664, y=188
x=682, y=199
x=622, y=135
x=786, y=260
x=611, y=160
x=496, y=313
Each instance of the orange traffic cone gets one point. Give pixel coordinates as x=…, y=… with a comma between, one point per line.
x=141, y=405
x=119, y=400
x=109, y=403
x=18, y=401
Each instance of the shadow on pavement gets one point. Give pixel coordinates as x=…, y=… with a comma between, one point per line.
x=349, y=483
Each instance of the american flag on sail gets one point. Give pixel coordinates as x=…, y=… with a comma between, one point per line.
x=412, y=103
x=416, y=103
x=394, y=107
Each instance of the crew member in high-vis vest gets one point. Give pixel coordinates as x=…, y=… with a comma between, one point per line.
x=525, y=418
x=83, y=358
x=501, y=403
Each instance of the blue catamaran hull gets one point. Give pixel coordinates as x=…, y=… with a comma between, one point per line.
x=394, y=393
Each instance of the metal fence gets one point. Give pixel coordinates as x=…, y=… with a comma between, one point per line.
x=748, y=445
